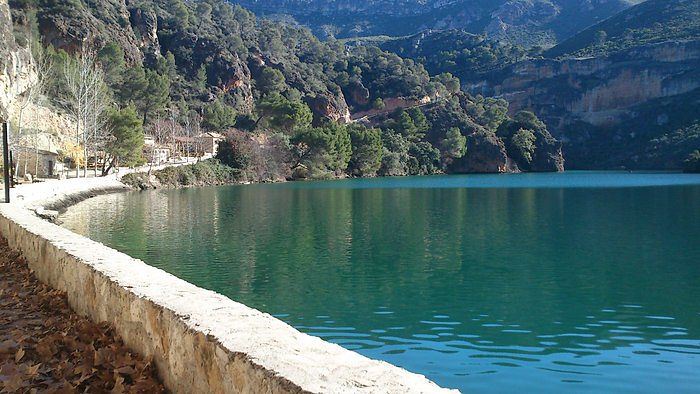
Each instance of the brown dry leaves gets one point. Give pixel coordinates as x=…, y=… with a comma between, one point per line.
x=46, y=347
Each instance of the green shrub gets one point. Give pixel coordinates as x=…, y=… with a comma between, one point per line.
x=692, y=163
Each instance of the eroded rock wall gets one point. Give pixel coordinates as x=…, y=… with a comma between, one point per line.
x=17, y=69
x=596, y=90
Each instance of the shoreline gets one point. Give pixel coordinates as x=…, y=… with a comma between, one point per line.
x=201, y=341
x=60, y=195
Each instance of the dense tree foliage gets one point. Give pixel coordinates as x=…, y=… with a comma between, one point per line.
x=692, y=163
x=456, y=52
x=395, y=154
x=454, y=145
x=650, y=22
x=211, y=66
x=523, y=21
x=323, y=151
x=367, y=150
x=128, y=139
x=520, y=136
x=279, y=112
x=218, y=116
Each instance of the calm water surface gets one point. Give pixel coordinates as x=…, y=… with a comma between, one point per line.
x=488, y=283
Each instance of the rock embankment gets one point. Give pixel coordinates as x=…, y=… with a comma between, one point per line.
x=205, y=173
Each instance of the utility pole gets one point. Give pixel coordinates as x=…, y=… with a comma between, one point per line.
x=6, y=160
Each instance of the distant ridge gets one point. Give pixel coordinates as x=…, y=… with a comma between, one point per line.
x=523, y=22
x=649, y=22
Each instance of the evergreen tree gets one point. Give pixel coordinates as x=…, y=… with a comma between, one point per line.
x=133, y=85
x=127, y=145
x=523, y=143
x=156, y=96
x=324, y=150
x=424, y=158
x=454, y=145
x=270, y=81
x=395, y=154
x=219, y=116
x=367, y=150
x=200, y=81
x=419, y=121
x=111, y=58
x=280, y=112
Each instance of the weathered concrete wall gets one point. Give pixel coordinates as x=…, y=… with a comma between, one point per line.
x=201, y=341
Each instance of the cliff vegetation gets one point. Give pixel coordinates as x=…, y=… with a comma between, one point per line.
x=172, y=70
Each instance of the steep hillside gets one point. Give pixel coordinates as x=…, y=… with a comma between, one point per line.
x=230, y=49
x=657, y=134
x=598, y=97
x=526, y=22
x=653, y=21
x=16, y=65
x=463, y=54
x=188, y=66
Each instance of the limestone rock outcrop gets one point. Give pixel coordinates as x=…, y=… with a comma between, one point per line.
x=17, y=68
x=548, y=156
x=596, y=90
x=586, y=102
x=486, y=153
x=83, y=28
x=329, y=107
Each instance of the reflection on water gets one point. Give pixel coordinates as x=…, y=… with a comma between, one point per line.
x=559, y=287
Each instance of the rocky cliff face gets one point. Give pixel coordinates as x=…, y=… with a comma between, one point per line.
x=145, y=24
x=17, y=70
x=548, y=156
x=108, y=21
x=486, y=154
x=41, y=126
x=330, y=107
x=598, y=91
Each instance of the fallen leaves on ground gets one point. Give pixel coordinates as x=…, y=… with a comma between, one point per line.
x=46, y=347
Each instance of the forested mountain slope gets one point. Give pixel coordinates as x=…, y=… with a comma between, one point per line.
x=616, y=92
x=213, y=65
x=526, y=22
x=612, y=92
x=653, y=21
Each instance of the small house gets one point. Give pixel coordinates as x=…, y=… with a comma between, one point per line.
x=39, y=163
x=209, y=142
x=160, y=155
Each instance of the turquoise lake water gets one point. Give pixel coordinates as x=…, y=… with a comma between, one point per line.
x=577, y=282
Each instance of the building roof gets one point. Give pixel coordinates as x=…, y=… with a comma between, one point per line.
x=211, y=134
x=42, y=152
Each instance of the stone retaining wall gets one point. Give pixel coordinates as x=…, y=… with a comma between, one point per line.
x=201, y=341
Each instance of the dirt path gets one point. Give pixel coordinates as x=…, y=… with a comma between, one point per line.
x=46, y=347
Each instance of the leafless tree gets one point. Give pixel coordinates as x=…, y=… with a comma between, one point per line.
x=193, y=128
x=158, y=130
x=31, y=96
x=97, y=135
x=174, y=129
x=87, y=99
